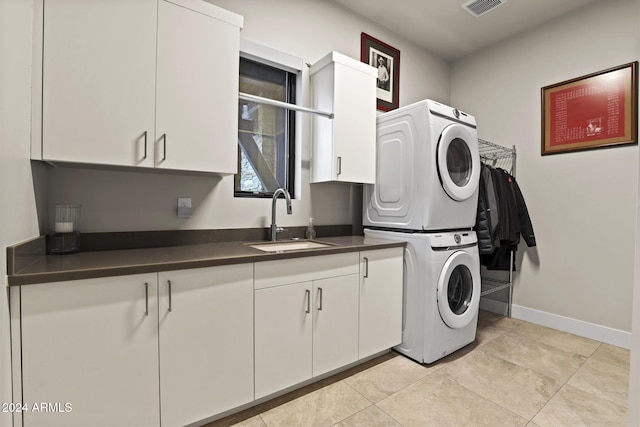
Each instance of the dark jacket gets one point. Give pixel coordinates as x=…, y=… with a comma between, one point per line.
x=513, y=221
x=508, y=224
x=526, y=228
x=492, y=205
x=487, y=213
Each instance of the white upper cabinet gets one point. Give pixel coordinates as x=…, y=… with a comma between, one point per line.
x=197, y=89
x=139, y=83
x=344, y=148
x=98, y=81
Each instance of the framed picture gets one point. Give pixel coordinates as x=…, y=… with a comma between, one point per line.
x=593, y=111
x=387, y=60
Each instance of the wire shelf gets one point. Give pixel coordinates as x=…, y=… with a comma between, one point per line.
x=498, y=155
x=489, y=286
x=502, y=157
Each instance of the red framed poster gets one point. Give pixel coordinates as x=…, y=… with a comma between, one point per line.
x=593, y=111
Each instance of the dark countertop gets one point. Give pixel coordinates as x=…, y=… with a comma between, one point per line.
x=93, y=264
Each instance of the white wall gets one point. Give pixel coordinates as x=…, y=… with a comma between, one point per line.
x=309, y=29
x=583, y=205
x=634, y=377
x=17, y=204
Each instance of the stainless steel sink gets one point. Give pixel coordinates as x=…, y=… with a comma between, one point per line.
x=292, y=245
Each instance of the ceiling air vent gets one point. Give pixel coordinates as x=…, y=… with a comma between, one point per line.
x=480, y=7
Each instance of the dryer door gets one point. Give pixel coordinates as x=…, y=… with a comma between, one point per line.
x=458, y=290
x=458, y=162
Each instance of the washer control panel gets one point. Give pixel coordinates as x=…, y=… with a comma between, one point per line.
x=452, y=239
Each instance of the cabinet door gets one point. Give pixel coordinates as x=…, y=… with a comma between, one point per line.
x=283, y=319
x=380, y=300
x=354, y=125
x=98, y=81
x=197, y=91
x=344, y=147
x=206, y=342
x=91, y=344
x=335, y=323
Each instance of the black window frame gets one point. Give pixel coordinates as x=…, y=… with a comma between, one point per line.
x=287, y=156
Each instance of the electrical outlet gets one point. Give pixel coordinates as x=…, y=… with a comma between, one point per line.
x=184, y=207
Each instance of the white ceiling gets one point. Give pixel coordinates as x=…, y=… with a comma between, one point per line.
x=444, y=28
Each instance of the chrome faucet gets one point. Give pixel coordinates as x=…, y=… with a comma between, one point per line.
x=274, y=228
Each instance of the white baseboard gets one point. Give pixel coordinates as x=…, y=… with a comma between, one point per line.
x=566, y=324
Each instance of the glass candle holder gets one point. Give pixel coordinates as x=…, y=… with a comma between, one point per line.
x=65, y=238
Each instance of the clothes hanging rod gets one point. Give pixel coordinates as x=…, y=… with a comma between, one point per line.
x=261, y=100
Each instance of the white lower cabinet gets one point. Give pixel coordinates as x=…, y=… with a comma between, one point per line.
x=90, y=352
x=105, y=352
x=282, y=337
x=306, y=319
x=174, y=348
x=381, y=273
x=304, y=330
x=206, y=342
x=335, y=323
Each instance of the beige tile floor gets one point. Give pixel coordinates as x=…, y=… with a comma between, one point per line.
x=514, y=374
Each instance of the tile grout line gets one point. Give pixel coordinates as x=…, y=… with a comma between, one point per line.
x=395, y=392
x=591, y=393
x=388, y=415
x=360, y=394
x=565, y=383
x=559, y=331
x=484, y=398
x=508, y=361
x=551, y=345
x=428, y=369
x=504, y=332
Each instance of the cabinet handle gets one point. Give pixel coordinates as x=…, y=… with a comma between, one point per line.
x=339, y=165
x=170, y=304
x=307, y=295
x=366, y=267
x=145, y=145
x=164, y=145
x=320, y=303
x=146, y=298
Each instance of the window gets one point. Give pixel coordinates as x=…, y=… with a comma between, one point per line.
x=266, y=143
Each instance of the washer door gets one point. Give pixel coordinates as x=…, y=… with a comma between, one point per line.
x=458, y=291
x=458, y=162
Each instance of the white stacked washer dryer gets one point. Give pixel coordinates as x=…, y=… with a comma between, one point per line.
x=426, y=193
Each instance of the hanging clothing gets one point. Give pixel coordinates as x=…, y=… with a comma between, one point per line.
x=492, y=205
x=487, y=213
x=496, y=241
x=508, y=225
x=526, y=228
x=483, y=221
x=500, y=259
